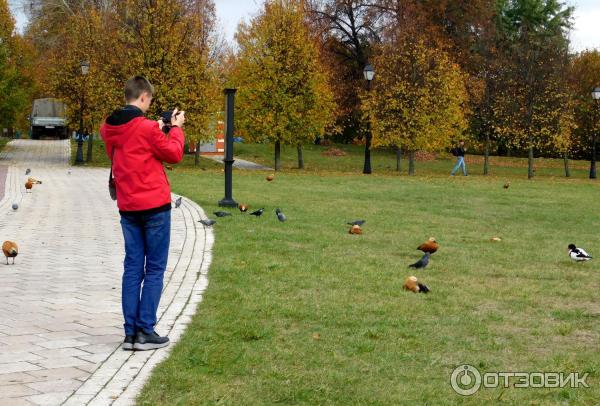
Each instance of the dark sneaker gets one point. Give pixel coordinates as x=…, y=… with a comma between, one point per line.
x=128, y=343
x=152, y=341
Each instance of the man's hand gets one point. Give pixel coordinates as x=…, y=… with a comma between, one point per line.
x=178, y=118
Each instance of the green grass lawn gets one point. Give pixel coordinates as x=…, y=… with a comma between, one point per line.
x=304, y=313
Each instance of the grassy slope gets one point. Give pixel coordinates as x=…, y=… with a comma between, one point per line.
x=518, y=305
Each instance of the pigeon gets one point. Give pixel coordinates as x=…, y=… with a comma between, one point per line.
x=10, y=250
x=208, y=222
x=15, y=206
x=280, y=216
x=422, y=263
x=178, y=202
x=578, y=254
x=258, y=213
x=357, y=223
x=429, y=246
x=413, y=284
x=243, y=208
x=222, y=214
x=27, y=171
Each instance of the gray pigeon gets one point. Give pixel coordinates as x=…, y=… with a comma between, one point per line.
x=357, y=223
x=280, y=216
x=208, y=222
x=422, y=263
x=15, y=206
x=28, y=171
x=178, y=202
x=222, y=213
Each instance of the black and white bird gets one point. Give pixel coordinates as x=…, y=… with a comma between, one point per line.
x=280, y=216
x=258, y=213
x=178, y=202
x=578, y=254
x=27, y=171
x=222, y=214
x=422, y=263
x=357, y=223
x=208, y=222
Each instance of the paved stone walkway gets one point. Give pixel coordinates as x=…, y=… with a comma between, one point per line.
x=60, y=312
x=241, y=163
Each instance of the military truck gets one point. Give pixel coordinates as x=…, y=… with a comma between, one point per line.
x=48, y=119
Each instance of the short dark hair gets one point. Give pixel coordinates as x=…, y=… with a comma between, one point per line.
x=137, y=85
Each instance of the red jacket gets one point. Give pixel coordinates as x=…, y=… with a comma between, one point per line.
x=140, y=147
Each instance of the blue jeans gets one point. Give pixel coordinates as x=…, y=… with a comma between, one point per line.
x=460, y=163
x=147, y=240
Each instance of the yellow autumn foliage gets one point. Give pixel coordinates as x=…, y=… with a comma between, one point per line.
x=283, y=95
x=418, y=100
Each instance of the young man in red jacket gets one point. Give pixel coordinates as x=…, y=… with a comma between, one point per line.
x=137, y=147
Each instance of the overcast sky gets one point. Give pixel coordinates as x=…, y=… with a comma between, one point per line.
x=586, y=33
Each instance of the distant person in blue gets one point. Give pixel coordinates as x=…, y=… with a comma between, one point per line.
x=459, y=153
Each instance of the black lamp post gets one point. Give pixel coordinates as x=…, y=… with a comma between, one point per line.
x=369, y=74
x=596, y=97
x=85, y=68
x=228, y=201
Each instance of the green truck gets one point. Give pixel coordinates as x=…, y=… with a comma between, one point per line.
x=48, y=119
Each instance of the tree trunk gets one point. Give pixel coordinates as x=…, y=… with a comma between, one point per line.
x=399, y=159
x=277, y=155
x=530, y=162
x=90, y=145
x=593, y=160
x=411, y=163
x=567, y=170
x=197, y=155
x=300, y=157
x=486, y=155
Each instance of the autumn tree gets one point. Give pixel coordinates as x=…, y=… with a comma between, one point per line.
x=15, y=82
x=536, y=46
x=346, y=30
x=283, y=93
x=174, y=49
x=585, y=76
x=418, y=100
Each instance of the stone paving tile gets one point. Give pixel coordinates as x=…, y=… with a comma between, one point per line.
x=16, y=391
x=49, y=399
x=54, y=344
x=59, y=385
x=59, y=373
x=18, y=377
x=15, y=402
x=17, y=367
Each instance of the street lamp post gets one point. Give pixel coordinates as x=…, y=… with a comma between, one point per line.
x=228, y=201
x=85, y=68
x=596, y=97
x=369, y=74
